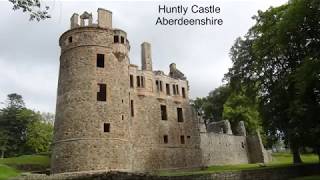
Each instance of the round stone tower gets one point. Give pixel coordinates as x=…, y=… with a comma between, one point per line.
x=91, y=130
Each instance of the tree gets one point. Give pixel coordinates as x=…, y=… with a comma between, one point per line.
x=22, y=131
x=212, y=105
x=308, y=97
x=270, y=57
x=39, y=135
x=15, y=101
x=13, y=121
x=33, y=8
x=4, y=138
x=239, y=107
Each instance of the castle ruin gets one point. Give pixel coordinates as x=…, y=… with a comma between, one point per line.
x=113, y=116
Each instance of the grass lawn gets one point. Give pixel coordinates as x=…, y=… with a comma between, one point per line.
x=278, y=160
x=27, y=159
x=7, y=171
x=7, y=165
x=281, y=158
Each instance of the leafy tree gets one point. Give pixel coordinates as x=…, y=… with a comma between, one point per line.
x=21, y=127
x=33, y=8
x=13, y=124
x=15, y=101
x=271, y=59
x=212, y=105
x=197, y=104
x=239, y=107
x=308, y=98
x=4, y=138
x=39, y=135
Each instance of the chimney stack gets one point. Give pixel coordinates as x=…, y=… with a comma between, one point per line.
x=146, y=59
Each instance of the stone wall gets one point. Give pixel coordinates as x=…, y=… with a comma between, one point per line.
x=223, y=149
x=150, y=152
x=256, y=150
x=222, y=127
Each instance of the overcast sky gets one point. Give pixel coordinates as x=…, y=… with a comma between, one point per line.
x=29, y=51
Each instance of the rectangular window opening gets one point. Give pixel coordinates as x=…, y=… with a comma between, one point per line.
x=100, y=60
x=142, y=81
x=168, y=89
x=180, y=114
x=138, y=81
x=183, y=92
x=116, y=39
x=102, y=94
x=70, y=39
x=165, y=139
x=106, y=127
x=164, y=115
x=160, y=86
x=174, y=89
x=122, y=40
x=131, y=81
x=157, y=85
x=177, y=89
x=132, y=108
x=182, y=140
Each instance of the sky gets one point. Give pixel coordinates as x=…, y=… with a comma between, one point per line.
x=29, y=51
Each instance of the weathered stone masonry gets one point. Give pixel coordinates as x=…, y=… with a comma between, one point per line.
x=111, y=115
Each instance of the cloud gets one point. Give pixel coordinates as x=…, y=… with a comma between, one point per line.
x=29, y=51
x=36, y=83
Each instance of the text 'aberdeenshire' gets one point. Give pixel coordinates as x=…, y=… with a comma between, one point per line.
x=183, y=11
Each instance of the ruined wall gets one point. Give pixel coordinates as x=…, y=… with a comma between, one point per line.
x=257, y=152
x=220, y=149
x=150, y=152
x=223, y=127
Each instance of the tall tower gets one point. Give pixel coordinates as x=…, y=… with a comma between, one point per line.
x=146, y=60
x=92, y=113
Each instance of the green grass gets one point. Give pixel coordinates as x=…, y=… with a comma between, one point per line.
x=8, y=165
x=308, y=178
x=279, y=160
x=27, y=159
x=286, y=158
x=7, y=172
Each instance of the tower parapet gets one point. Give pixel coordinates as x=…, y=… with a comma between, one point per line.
x=104, y=18
x=74, y=21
